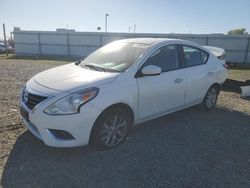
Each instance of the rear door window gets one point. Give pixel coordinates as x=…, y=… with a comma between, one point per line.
x=194, y=56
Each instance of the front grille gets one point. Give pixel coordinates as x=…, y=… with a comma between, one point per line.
x=32, y=100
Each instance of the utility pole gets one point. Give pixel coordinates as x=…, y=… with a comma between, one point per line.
x=5, y=42
x=11, y=36
x=129, y=29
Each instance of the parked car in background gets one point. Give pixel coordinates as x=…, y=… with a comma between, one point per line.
x=98, y=100
x=8, y=49
x=2, y=48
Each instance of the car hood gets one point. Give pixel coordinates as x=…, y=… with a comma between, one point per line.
x=71, y=77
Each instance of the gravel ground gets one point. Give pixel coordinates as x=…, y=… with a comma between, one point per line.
x=190, y=148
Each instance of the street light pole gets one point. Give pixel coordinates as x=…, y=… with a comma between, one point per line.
x=134, y=29
x=106, y=22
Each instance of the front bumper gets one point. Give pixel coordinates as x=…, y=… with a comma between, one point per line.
x=44, y=126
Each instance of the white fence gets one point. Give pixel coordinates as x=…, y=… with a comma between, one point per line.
x=80, y=44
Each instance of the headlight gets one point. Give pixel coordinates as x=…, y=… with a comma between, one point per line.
x=71, y=104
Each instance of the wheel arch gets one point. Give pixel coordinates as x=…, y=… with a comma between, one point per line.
x=216, y=85
x=122, y=106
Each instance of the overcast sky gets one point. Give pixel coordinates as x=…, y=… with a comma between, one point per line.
x=150, y=16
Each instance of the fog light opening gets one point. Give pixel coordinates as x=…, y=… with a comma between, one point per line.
x=61, y=134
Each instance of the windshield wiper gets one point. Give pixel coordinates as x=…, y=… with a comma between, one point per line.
x=103, y=69
x=78, y=62
x=95, y=67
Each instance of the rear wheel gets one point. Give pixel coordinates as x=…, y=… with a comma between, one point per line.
x=210, y=98
x=110, y=129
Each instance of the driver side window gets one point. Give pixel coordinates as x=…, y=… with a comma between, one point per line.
x=165, y=57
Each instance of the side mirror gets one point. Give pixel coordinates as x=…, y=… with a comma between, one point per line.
x=151, y=70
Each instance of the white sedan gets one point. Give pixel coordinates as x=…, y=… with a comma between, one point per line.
x=98, y=100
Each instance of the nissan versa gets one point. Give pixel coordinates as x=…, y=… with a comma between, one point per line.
x=97, y=100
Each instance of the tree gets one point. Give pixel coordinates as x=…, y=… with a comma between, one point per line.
x=241, y=31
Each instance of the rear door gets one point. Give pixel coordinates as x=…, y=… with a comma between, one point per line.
x=165, y=92
x=199, y=73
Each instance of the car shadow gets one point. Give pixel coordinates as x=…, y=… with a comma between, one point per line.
x=189, y=148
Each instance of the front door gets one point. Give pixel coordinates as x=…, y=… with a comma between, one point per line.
x=162, y=93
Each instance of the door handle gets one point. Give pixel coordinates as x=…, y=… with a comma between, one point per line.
x=178, y=80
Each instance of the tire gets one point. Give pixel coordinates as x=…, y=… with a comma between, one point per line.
x=110, y=129
x=210, y=98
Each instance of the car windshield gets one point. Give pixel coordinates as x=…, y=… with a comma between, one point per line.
x=114, y=57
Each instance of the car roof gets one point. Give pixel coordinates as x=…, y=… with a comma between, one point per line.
x=158, y=41
x=150, y=41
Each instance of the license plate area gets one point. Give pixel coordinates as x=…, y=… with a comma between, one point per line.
x=24, y=114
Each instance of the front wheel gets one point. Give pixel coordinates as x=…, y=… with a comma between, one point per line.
x=210, y=98
x=110, y=129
